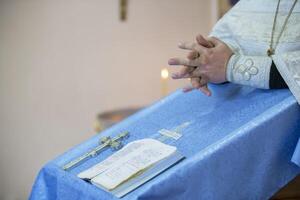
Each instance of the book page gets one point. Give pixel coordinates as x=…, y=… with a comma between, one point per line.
x=107, y=163
x=149, y=152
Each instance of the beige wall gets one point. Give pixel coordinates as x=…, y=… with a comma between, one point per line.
x=63, y=61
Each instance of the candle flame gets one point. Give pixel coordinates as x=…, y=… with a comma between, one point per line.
x=164, y=73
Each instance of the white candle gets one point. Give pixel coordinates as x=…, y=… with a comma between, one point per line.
x=164, y=81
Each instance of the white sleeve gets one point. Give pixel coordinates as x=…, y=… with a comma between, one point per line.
x=249, y=70
x=242, y=68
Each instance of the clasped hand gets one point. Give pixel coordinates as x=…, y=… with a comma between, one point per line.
x=205, y=63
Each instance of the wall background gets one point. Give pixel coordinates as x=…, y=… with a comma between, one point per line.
x=62, y=62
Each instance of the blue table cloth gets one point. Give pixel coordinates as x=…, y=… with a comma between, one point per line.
x=238, y=145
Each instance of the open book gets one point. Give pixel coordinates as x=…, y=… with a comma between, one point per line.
x=133, y=165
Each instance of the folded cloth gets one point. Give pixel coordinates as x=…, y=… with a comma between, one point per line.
x=296, y=155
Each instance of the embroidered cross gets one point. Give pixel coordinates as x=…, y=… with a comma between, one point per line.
x=247, y=69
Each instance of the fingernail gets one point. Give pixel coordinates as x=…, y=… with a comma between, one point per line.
x=172, y=61
x=174, y=76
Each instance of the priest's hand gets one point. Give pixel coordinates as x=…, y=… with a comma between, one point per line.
x=196, y=82
x=206, y=62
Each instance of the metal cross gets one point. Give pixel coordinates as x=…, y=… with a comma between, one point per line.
x=115, y=143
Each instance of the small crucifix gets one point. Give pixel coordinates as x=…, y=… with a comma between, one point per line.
x=123, y=9
x=105, y=142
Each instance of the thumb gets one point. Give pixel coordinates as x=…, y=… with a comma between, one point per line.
x=202, y=41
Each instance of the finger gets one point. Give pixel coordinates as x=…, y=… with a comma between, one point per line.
x=192, y=85
x=201, y=84
x=192, y=46
x=202, y=41
x=193, y=55
x=215, y=41
x=188, y=88
x=184, y=61
x=187, y=45
x=182, y=73
x=203, y=81
x=195, y=72
x=205, y=90
x=196, y=82
x=200, y=71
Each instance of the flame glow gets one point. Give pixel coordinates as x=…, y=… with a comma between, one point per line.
x=164, y=73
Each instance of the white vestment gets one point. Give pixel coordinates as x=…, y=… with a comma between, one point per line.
x=247, y=30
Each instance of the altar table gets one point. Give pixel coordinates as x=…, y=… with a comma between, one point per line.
x=238, y=144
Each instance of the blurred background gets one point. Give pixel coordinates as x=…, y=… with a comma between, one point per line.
x=63, y=62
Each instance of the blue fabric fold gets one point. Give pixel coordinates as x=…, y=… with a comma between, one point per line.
x=239, y=145
x=296, y=155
